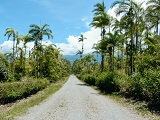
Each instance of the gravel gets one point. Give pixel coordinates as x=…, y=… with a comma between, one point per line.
x=76, y=101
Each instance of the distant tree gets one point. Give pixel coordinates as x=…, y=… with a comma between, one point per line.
x=81, y=39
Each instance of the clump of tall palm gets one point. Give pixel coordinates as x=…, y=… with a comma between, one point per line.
x=37, y=32
x=112, y=40
x=127, y=9
x=10, y=32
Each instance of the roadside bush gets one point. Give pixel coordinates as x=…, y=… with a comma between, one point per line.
x=131, y=86
x=89, y=79
x=12, y=91
x=151, y=85
x=5, y=74
x=146, y=87
x=106, y=82
x=78, y=76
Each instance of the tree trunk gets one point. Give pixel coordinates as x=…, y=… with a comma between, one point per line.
x=36, y=70
x=25, y=60
x=137, y=37
x=82, y=48
x=157, y=26
x=110, y=61
x=13, y=64
x=122, y=58
x=131, y=54
x=41, y=53
x=113, y=59
x=102, y=63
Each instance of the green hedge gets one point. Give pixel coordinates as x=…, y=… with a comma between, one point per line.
x=89, y=79
x=146, y=87
x=107, y=83
x=12, y=91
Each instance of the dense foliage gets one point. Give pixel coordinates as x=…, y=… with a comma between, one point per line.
x=38, y=66
x=130, y=51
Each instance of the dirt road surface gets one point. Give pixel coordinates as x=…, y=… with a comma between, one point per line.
x=76, y=101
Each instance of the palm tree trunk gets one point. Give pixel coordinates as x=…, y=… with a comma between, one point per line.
x=137, y=37
x=110, y=63
x=102, y=63
x=25, y=60
x=157, y=26
x=113, y=59
x=131, y=56
x=82, y=48
x=41, y=53
x=13, y=64
x=36, y=48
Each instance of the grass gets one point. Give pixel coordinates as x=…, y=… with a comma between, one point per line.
x=22, y=106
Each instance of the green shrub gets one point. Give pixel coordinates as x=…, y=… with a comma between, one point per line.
x=146, y=87
x=132, y=86
x=12, y=91
x=78, y=76
x=5, y=74
x=106, y=82
x=151, y=85
x=89, y=79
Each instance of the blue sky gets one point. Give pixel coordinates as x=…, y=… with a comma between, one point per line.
x=65, y=17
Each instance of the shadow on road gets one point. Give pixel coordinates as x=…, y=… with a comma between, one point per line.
x=82, y=84
x=97, y=93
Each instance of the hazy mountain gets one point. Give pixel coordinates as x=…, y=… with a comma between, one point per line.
x=72, y=58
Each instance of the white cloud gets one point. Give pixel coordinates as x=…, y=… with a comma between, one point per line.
x=87, y=24
x=112, y=13
x=70, y=48
x=83, y=19
x=93, y=36
x=7, y=46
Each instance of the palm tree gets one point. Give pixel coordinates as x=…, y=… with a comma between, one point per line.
x=81, y=39
x=10, y=32
x=37, y=33
x=80, y=53
x=154, y=13
x=101, y=20
x=112, y=40
x=19, y=38
x=27, y=38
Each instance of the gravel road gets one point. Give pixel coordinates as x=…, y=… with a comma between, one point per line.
x=76, y=101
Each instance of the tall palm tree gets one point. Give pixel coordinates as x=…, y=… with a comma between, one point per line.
x=126, y=9
x=79, y=52
x=10, y=32
x=112, y=40
x=19, y=38
x=101, y=20
x=81, y=39
x=37, y=32
x=27, y=38
x=154, y=13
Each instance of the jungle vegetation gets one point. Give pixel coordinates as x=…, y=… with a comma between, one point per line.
x=24, y=71
x=129, y=49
